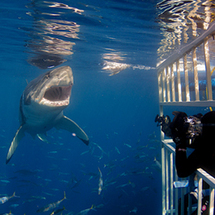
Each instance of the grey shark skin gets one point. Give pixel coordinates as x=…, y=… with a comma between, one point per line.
x=42, y=104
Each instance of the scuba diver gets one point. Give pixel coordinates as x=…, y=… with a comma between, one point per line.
x=195, y=132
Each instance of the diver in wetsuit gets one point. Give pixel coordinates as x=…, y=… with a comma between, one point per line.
x=204, y=154
x=202, y=157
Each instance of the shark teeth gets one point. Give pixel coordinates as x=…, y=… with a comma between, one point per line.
x=57, y=96
x=49, y=103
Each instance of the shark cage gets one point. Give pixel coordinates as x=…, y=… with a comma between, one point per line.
x=185, y=79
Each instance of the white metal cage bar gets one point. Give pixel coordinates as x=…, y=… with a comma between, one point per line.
x=169, y=176
x=196, y=78
x=175, y=90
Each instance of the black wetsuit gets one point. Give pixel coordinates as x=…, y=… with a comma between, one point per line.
x=202, y=157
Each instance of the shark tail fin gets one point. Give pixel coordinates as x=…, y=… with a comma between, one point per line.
x=64, y=195
x=14, y=195
x=18, y=136
x=67, y=124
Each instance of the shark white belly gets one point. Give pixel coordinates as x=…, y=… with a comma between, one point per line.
x=42, y=104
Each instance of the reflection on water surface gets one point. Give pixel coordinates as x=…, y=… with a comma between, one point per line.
x=181, y=22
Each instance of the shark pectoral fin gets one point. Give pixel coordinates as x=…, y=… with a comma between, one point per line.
x=18, y=136
x=67, y=124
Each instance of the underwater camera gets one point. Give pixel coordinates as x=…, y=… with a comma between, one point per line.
x=190, y=127
x=164, y=122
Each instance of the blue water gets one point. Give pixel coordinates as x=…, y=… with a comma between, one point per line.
x=116, y=107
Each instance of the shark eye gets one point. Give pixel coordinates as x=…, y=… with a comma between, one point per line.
x=48, y=75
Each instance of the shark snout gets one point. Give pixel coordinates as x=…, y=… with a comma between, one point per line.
x=64, y=75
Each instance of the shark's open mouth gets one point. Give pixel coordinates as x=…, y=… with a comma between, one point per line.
x=57, y=96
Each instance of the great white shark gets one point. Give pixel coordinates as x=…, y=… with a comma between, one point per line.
x=42, y=104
